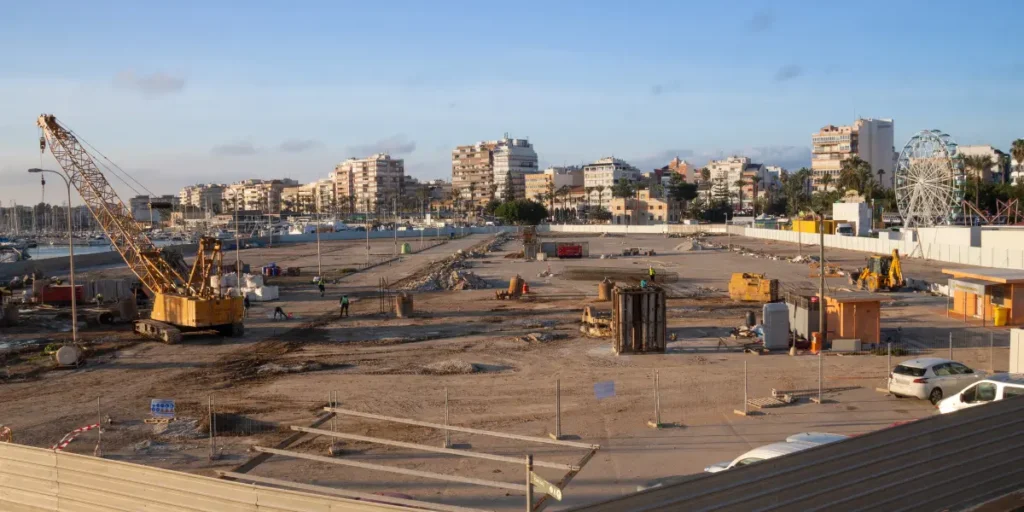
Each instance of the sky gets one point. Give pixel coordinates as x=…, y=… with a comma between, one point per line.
x=207, y=91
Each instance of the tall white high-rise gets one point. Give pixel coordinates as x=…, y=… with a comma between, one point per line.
x=513, y=159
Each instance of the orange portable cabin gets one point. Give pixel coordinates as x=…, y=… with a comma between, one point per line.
x=854, y=315
x=991, y=295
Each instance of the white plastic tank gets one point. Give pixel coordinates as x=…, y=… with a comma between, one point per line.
x=775, y=322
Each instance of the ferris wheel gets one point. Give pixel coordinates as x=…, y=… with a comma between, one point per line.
x=929, y=180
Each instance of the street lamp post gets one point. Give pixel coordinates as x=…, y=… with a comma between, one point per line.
x=71, y=255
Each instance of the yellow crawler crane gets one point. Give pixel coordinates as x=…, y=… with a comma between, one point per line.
x=179, y=302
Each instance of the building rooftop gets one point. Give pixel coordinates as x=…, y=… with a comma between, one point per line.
x=991, y=275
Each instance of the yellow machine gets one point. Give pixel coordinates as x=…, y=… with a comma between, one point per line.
x=753, y=288
x=880, y=273
x=180, y=302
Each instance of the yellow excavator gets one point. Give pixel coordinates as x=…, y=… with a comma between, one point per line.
x=183, y=299
x=882, y=272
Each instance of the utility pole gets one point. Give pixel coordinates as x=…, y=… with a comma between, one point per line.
x=821, y=279
x=319, y=268
x=238, y=257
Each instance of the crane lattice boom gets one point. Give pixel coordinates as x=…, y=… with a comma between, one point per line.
x=126, y=236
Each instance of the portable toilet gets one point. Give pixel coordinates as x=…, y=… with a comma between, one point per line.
x=775, y=324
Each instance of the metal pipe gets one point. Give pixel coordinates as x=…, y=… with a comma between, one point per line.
x=558, y=409
x=529, y=483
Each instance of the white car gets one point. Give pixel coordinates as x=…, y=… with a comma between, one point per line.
x=931, y=378
x=996, y=387
x=793, y=444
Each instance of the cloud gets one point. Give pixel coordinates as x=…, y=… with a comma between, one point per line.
x=669, y=87
x=234, y=149
x=299, y=145
x=788, y=72
x=155, y=84
x=762, y=21
x=394, y=145
x=788, y=157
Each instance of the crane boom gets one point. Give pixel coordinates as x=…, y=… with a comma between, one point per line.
x=126, y=236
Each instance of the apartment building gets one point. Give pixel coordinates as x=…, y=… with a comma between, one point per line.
x=473, y=173
x=644, y=210
x=310, y=198
x=513, y=159
x=206, y=197
x=551, y=179
x=605, y=173
x=870, y=139
x=369, y=184
x=682, y=168
x=162, y=206
x=995, y=173
x=726, y=173
x=255, y=195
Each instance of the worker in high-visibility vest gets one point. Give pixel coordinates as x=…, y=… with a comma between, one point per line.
x=650, y=273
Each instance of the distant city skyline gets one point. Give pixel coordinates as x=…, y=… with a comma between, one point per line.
x=193, y=93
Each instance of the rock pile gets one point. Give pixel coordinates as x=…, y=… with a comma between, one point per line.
x=452, y=272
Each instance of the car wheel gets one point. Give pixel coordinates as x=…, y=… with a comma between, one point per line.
x=935, y=396
x=898, y=396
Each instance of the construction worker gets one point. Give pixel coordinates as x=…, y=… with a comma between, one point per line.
x=344, y=306
x=643, y=284
x=321, y=286
x=279, y=311
x=245, y=307
x=650, y=273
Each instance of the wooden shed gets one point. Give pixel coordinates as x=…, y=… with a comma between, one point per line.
x=854, y=315
x=638, y=320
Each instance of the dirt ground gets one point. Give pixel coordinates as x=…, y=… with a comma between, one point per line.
x=498, y=362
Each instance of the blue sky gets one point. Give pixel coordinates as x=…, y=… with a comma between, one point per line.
x=220, y=91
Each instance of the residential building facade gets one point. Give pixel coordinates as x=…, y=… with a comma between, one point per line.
x=473, y=173
x=995, y=173
x=643, y=210
x=604, y=174
x=369, y=184
x=206, y=197
x=513, y=159
x=550, y=180
x=725, y=174
x=255, y=195
x=869, y=139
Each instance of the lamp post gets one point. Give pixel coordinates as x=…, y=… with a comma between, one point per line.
x=71, y=255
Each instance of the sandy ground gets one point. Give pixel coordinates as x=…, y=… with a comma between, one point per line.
x=496, y=376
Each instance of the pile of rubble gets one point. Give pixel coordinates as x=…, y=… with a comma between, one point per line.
x=452, y=272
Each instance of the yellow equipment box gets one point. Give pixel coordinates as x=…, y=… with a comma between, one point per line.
x=753, y=288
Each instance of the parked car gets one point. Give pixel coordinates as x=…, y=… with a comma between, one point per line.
x=845, y=229
x=931, y=378
x=996, y=387
x=792, y=444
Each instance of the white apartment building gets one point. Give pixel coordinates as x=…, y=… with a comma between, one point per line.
x=369, y=184
x=727, y=172
x=161, y=211
x=994, y=174
x=1016, y=171
x=203, y=196
x=310, y=197
x=870, y=139
x=605, y=173
x=512, y=159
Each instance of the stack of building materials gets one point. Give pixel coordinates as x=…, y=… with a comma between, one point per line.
x=254, y=288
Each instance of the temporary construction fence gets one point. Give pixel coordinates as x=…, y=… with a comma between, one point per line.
x=38, y=480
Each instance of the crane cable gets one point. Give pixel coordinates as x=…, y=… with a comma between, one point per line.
x=115, y=166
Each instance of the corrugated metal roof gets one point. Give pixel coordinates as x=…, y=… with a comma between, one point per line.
x=949, y=461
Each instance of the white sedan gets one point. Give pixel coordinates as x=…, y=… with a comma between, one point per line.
x=793, y=444
x=931, y=378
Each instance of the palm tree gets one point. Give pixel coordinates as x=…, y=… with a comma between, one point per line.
x=1017, y=150
x=600, y=195
x=755, y=180
x=739, y=184
x=589, y=191
x=1004, y=164
x=826, y=180
x=881, y=172
x=563, y=193
x=705, y=178
x=979, y=164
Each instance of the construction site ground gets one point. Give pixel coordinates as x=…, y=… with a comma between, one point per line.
x=499, y=362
